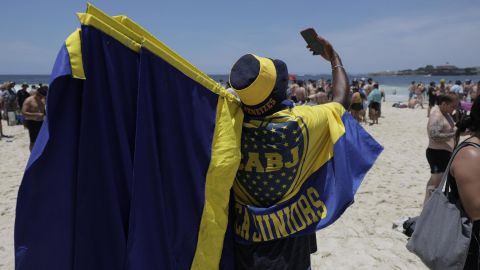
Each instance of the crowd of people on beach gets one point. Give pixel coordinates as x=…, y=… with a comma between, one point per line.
x=366, y=96
x=25, y=106
x=448, y=106
x=453, y=155
x=466, y=92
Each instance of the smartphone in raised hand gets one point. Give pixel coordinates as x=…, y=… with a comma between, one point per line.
x=311, y=37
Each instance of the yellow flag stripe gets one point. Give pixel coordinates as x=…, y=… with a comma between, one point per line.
x=91, y=20
x=74, y=48
x=221, y=173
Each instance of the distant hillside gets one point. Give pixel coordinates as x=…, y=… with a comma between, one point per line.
x=444, y=70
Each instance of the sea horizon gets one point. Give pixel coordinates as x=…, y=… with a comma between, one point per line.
x=394, y=86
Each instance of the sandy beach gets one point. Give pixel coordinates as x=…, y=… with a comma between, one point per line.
x=362, y=238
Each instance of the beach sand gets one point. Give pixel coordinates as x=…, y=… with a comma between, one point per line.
x=362, y=238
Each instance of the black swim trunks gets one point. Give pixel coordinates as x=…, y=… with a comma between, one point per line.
x=33, y=129
x=374, y=105
x=438, y=159
x=356, y=107
x=285, y=254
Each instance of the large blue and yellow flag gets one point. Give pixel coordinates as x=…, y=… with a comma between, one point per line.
x=300, y=169
x=135, y=163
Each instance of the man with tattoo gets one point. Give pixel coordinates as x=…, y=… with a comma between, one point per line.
x=441, y=132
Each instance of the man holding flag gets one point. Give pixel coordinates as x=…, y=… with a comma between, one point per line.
x=299, y=166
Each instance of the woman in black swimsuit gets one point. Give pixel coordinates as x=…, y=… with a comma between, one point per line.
x=465, y=173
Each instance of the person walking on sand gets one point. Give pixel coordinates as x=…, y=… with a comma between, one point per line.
x=3, y=89
x=34, y=112
x=411, y=90
x=442, y=88
x=419, y=93
x=441, y=131
x=374, y=101
x=22, y=95
x=356, y=105
x=10, y=103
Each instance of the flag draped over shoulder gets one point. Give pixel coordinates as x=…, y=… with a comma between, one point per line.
x=139, y=151
x=134, y=165
x=300, y=169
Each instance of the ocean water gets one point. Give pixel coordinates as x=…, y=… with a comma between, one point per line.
x=28, y=79
x=395, y=87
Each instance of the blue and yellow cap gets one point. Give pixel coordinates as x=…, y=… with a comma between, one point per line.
x=261, y=83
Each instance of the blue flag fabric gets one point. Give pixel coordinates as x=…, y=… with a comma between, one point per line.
x=88, y=166
x=105, y=151
x=176, y=121
x=44, y=223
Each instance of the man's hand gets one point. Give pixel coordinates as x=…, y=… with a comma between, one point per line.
x=320, y=46
x=328, y=51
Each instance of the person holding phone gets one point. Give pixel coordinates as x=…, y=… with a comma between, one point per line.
x=272, y=131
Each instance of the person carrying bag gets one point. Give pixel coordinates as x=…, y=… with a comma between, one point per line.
x=443, y=231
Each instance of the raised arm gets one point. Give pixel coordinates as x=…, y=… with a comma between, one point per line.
x=340, y=88
x=340, y=82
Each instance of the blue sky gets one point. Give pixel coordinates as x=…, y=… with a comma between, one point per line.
x=369, y=35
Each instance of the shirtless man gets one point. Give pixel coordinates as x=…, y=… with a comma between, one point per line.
x=293, y=91
x=441, y=132
x=311, y=88
x=301, y=93
x=34, y=110
x=419, y=93
x=356, y=105
x=2, y=89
